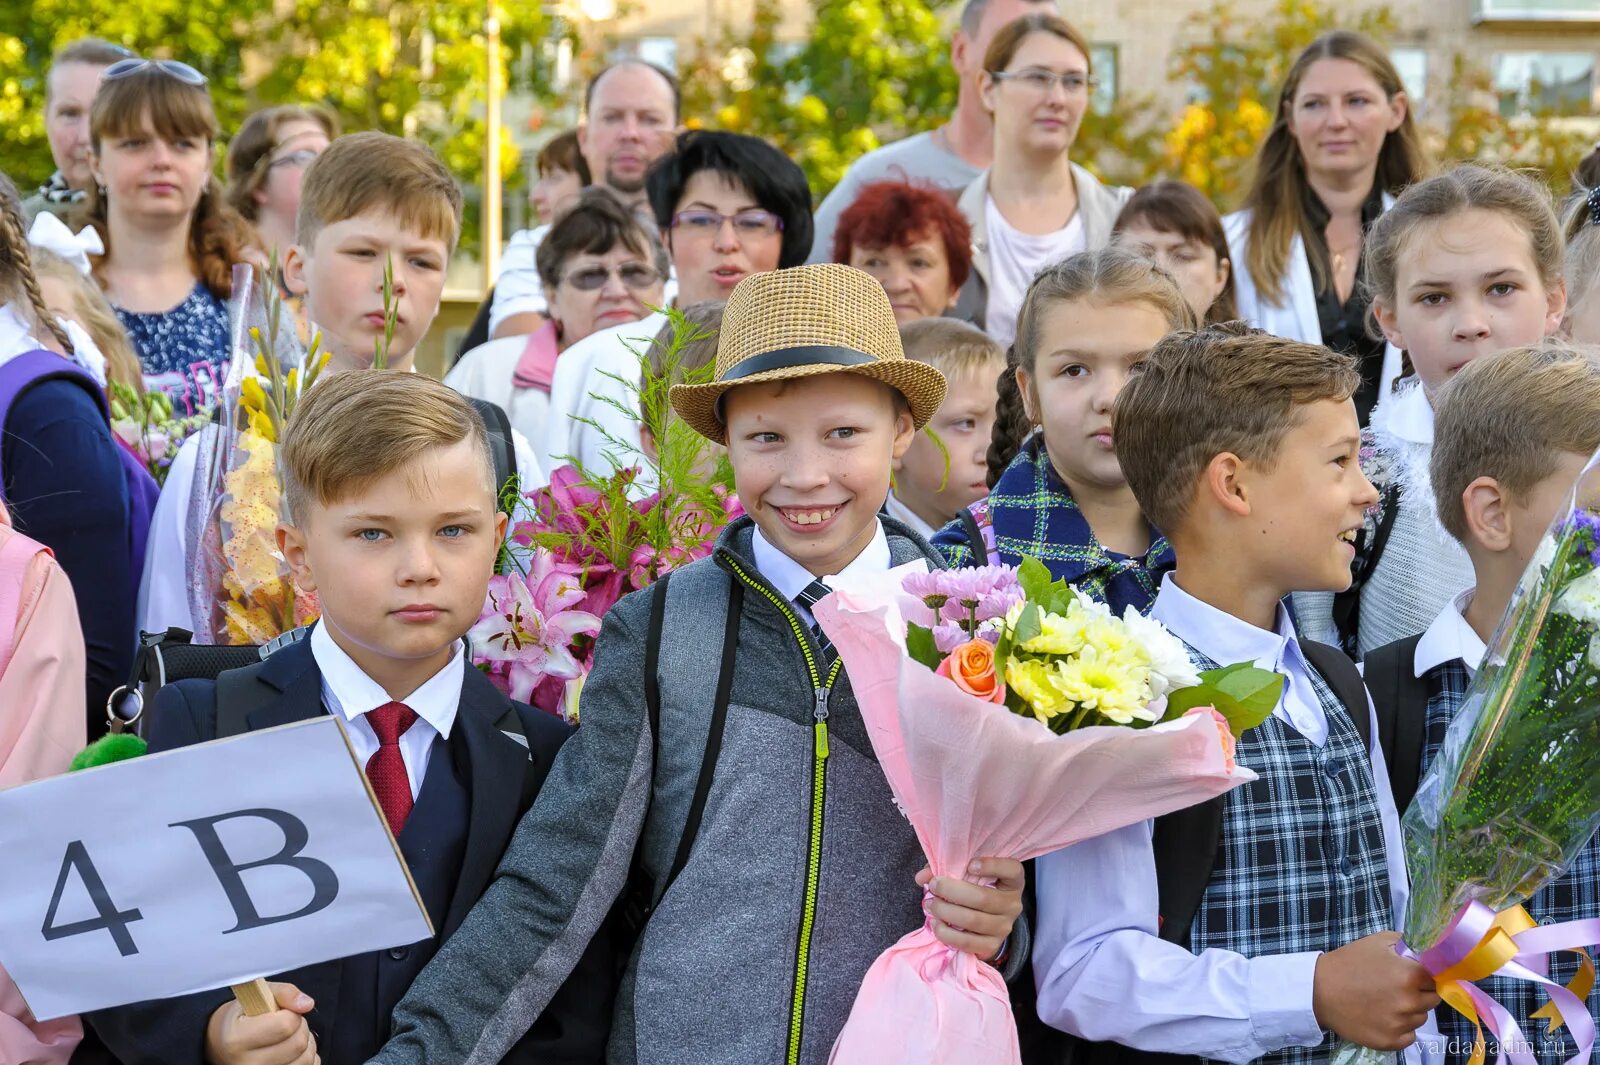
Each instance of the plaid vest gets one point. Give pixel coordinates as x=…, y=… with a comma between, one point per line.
x=1302, y=861
x=1572, y=896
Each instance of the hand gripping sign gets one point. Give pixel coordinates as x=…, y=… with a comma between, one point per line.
x=198, y=868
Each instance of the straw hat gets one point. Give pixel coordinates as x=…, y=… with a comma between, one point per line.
x=802, y=322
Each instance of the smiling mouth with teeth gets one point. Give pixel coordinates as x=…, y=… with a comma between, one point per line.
x=809, y=517
x=1348, y=536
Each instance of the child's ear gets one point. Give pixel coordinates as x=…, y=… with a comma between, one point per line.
x=905, y=431
x=294, y=270
x=501, y=520
x=1555, y=309
x=1386, y=322
x=1025, y=389
x=1224, y=483
x=292, y=545
x=1488, y=514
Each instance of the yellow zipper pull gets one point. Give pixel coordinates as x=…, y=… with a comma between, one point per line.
x=821, y=728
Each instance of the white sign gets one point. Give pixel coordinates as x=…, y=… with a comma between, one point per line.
x=197, y=868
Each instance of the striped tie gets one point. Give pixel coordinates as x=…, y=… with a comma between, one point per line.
x=809, y=596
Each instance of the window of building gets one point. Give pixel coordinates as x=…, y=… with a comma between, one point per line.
x=661, y=51
x=1412, y=65
x=1535, y=11
x=1103, y=61
x=1545, y=82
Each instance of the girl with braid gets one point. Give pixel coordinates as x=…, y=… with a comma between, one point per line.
x=1583, y=258
x=1056, y=491
x=62, y=476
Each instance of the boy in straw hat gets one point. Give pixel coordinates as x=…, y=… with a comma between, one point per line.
x=722, y=786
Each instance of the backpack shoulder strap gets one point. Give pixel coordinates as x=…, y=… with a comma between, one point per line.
x=32, y=368
x=969, y=526
x=1344, y=678
x=17, y=553
x=1347, y=604
x=1186, y=843
x=241, y=692
x=501, y=447
x=1401, y=699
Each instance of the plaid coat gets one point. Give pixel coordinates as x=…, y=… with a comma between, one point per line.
x=1572, y=896
x=1030, y=511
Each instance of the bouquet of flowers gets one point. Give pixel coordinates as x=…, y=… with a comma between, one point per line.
x=240, y=590
x=1013, y=717
x=1512, y=797
x=146, y=424
x=585, y=541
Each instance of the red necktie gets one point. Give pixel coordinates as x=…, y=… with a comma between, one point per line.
x=386, y=770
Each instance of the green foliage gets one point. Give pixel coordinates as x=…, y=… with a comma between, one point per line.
x=1241, y=693
x=415, y=68
x=921, y=647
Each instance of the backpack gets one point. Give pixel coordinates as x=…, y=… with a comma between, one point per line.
x=501, y=447
x=1401, y=698
x=1187, y=843
x=35, y=367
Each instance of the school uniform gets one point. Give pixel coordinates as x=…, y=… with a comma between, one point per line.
x=468, y=783
x=1309, y=860
x=1442, y=662
x=1030, y=512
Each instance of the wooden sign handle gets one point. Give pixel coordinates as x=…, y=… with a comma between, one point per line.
x=255, y=997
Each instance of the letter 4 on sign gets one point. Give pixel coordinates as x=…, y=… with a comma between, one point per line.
x=244, y=857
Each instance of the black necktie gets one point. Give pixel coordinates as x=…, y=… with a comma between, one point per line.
x=809, y=596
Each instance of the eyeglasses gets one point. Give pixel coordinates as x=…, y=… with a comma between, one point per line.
x=171, y=67
x=745, y=223
x=634, y=275
x=1041, y=82
x=299, y=159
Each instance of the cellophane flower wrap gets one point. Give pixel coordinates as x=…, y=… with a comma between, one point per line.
x=240, y=590
x=1012, y=718
x=1514, y=792
x=597, y=537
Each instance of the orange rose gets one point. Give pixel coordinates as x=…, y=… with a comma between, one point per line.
x=1229, y=744
x=971, y=668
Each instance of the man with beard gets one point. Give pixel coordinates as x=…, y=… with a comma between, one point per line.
x=630, y=119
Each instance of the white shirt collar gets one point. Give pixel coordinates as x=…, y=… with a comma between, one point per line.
x=350, y=693
x=15, y=337
x=1219, y=635
x=908, y=517
x=1450, y=637
x=1406, y=414
x=790, y=577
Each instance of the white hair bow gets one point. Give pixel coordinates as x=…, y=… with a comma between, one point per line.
x=52, y=234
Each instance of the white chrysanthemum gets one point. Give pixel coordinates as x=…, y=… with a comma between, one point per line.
x=1581, y=598
x=1170, y=667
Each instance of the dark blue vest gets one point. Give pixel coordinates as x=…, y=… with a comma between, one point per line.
x=433, y=842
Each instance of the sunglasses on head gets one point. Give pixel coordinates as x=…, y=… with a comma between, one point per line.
x=171, y=67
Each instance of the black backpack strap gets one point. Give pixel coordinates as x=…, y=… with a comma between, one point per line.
x=501, y=447
x=1401, y=699
x=1347, y=604
x=969, y=526
x=126, y=705
x=1344, y=678
x=1186, y=843
x=241, y=692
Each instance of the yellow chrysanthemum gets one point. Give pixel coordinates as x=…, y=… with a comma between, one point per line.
x=1059, y=634
x=1035, y=683
x=1106, y=686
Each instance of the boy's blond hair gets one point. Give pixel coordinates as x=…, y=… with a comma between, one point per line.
x=1201, y=393
x=371, y=171
x=1507, y=416
x=355, y=428
x=953, y=347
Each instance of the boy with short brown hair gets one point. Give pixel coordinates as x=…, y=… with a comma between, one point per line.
x=1253, y=927
x=1513, y=434
x=939, y=477
x=393, y=523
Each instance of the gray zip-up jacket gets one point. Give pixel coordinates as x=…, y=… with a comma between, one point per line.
x=757, y=949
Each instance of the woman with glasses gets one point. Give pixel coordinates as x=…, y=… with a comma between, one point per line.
x=730, y=206
x=171, y=240
x=601, y=267
x=1033, y=206
x=266, y=161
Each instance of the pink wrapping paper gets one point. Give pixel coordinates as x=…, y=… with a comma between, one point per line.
x=976, y=780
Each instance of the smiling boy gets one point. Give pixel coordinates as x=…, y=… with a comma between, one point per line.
x=746, y=801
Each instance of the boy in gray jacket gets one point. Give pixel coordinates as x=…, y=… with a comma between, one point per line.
x=723, y=763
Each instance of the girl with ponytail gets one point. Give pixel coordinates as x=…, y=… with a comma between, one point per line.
x=1056, y=491
x=62, y=475
x=171, y=239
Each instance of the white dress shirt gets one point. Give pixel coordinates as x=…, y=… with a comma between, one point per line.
x=589, y=385
x=1450, y=637
x=790, y=577
x=1103, y=972
x=350, y=694
x=908, y=517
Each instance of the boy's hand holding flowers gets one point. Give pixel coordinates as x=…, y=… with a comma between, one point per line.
x=973, y=917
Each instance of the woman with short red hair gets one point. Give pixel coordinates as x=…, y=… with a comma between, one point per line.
x=913, y=240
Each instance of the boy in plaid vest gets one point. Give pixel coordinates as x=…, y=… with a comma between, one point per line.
x=1253, y=928
x=1514, y=433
